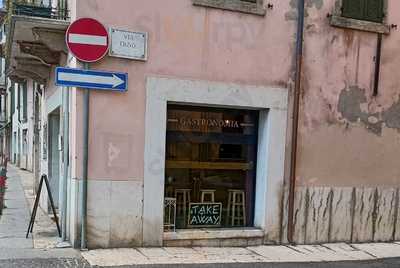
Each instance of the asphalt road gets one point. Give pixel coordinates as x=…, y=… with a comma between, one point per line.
x=77, y=262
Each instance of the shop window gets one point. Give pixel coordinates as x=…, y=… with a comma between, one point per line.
x=246, y=6
x=210, y=167
x=368, y=10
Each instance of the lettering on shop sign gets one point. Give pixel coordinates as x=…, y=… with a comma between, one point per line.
x=192, y=122
x=128, y=45
x=204, y=214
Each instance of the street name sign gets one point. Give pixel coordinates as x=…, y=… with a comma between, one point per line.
x=129, y=45
x=114, y=81
x=87, y=39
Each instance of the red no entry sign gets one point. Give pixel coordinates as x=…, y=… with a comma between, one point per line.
x=87, y=39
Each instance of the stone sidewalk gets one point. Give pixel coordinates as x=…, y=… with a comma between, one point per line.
x=15, y=218
x=45, y=235
x=260, y=254
x=19, y=199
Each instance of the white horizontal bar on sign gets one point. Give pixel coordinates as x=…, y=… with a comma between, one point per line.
x=86, y=39
x=113, y=80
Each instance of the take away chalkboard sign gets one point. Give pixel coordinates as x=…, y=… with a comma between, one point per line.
x=204, y=214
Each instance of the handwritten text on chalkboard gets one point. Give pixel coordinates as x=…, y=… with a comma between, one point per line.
x=204, y=214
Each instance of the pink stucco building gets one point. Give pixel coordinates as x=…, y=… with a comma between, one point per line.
x=202, y=149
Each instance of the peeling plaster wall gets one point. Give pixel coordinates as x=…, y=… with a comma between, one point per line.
x=348, y=173
x=347, y=137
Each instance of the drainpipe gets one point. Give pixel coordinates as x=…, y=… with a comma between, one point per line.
x=295, y=121
x=377, y=64
x=66, y=164
x=85, y=164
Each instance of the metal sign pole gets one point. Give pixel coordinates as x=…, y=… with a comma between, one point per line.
x=85, y=162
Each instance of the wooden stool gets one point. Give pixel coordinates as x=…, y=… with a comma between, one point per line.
x=182, y=197
x=209, y=193
x=236, y=212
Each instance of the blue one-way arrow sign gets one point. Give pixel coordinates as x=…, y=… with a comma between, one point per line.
x=69, y=77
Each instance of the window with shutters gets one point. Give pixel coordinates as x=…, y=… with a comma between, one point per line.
x=246, y=6
x=363, y=15
x=369, y=10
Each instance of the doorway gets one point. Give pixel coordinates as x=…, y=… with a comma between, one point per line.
x=24, y=151
x=37, y=144
x=54, y=154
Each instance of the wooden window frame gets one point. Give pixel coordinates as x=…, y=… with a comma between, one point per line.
x=256, y=7
x=337, y=20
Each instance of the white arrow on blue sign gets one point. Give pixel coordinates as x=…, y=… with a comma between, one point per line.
x=69, y=77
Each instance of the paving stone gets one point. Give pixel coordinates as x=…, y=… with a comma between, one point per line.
x=279, y=253
x=349, y=251
x=15, y=242
x=15, y=219
x=322, y=253
x=180, y=251
x=115, y=257
x=154, y=252
x=380, y=250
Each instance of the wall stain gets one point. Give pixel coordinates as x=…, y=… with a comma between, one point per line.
x=350, y=102
x=93, y=5
x=314, y=3
x=292, y=15
x=392, y=116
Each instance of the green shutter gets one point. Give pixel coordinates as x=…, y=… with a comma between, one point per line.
x=353, y=9
x=369, y=10
x=374, y=10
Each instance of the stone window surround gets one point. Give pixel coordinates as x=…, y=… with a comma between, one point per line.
x=337, y=20
x=234, y=5
x=272, y=104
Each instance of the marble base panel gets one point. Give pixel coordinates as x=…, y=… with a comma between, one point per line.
x=114, y=213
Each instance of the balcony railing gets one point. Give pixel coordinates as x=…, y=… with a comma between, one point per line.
x=33, y=9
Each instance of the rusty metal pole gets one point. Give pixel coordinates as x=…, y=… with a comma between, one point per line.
x=295, y=120
x=377, y=64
